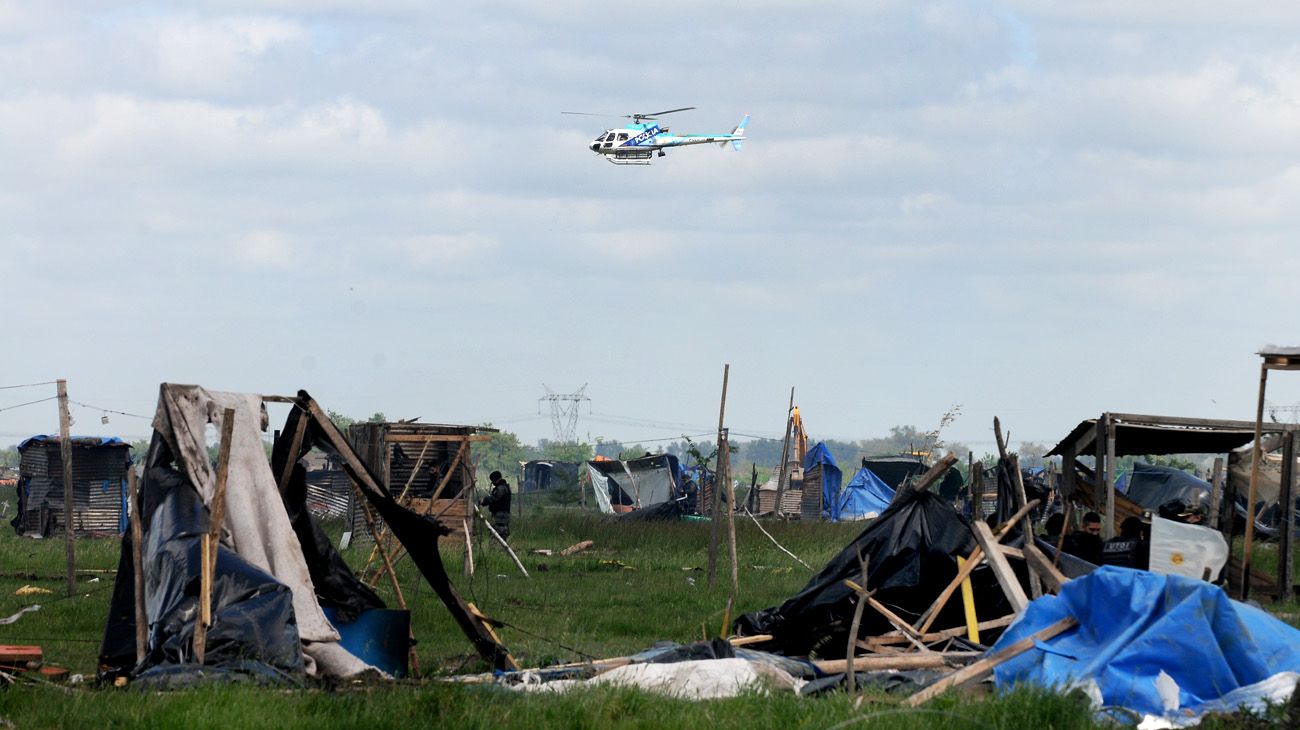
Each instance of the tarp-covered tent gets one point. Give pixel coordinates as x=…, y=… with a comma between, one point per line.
x=541, y=475
x=894, y=470
x=620, y=486
x=1152, y=486
x=911, y=552
x=1156, y=644
x=864, y=497
x=99, y=465
x=821, y=483
x=275, y=571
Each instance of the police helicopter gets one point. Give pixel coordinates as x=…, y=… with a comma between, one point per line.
x=638, y=142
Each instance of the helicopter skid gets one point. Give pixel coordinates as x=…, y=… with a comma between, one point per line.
x=630, y=157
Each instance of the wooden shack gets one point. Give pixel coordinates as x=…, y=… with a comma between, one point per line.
x=428, y=467
x=99, y=467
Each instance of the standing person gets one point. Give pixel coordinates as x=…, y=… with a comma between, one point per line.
x=498, y=503
x=1086, y=543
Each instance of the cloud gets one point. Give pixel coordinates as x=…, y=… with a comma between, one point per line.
x=201, y=55
x=435, y=250
x=267, y=249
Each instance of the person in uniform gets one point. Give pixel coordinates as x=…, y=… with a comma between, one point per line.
x=498, y=503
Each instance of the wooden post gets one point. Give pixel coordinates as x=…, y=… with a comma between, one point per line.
x=65, y=456
x=1286, y=503
x=731, y=517
x=1104, y=478
x=1216, y=493
x=137, y=564
x=851, y=675
x=717, y=488
x=785, y=454
x=210, y=539
x=1026, y=524
x=1256, y=456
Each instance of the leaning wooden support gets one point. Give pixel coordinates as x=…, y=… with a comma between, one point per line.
x=774, y=542
x=1039, y=564
x=935, y=473
x=989, y=663
x=1001, y=568
x=492, y=531
x=210, y=539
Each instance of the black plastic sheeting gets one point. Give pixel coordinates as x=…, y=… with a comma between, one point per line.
x=911, y=552
x=544, y=475
x=253, y=630
x=894, y=470
x=673, y=509
x=1154, y=486
x=1008, y=501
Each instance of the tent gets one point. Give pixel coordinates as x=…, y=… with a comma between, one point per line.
x=622, y=486
x=281, y=598
x=99, y=465
x=1152, y=486
x=821, y=483
x=542, y=475
x=894, y=470
x=864, y=497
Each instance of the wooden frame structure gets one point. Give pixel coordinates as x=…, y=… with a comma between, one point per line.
x=1274, y=358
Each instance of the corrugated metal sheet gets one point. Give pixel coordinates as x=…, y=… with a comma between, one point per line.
x=99, y=488
x=810, y=502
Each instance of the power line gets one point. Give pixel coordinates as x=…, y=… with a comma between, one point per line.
x=28, y=385
x=109, y=410
x=28, y=403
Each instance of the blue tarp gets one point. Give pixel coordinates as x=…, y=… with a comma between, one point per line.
x=831, y=475
x=78, y=440
x=865, y=493
x=1133, y=625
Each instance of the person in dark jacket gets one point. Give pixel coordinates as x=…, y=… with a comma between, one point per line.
x=1132, y=549
x=498, y=503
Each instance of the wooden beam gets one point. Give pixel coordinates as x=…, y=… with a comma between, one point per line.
x=210, y=539
x=1286, y=501
x=896, y=637
x=988, y=664
x=1026, y=525
x=1039, y=564
x=1256, y=456
x=893, y=662
x=1001, y=568
x=137, y=565
x=1216, y=493
x=412, y=438
x=717, y=487
x=292, y=459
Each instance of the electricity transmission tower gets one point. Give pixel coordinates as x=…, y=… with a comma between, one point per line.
x=564, y=411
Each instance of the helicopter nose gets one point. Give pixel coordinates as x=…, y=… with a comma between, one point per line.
x=594, y=147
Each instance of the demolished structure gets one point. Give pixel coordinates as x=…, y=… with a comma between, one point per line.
x=225, y=570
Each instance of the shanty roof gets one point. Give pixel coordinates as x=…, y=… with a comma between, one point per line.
x=76, y=440
x=1139, y=434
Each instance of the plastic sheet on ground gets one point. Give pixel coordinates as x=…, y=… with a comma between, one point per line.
x=1159, y=645
x=693, y=679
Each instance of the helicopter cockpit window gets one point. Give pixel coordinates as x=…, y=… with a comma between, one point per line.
x=609, y=137
x=622, y=136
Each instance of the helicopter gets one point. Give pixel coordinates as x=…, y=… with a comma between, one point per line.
x=638, y=142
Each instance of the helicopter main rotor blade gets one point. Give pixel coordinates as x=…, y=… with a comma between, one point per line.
x=670, y=111
x=591, y=114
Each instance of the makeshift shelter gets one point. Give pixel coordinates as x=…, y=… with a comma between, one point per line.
x=865, y=497
x=1155, y=486
x=542, y=475
x=791, y=496
x=236, y=577
x=910, y=553
x=99, y=465
x=821, y=484
x=895, y=470
x=621, y=486
x=428, y=466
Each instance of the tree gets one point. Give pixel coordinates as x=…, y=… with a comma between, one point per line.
x=1031, y=454
x=565, y=451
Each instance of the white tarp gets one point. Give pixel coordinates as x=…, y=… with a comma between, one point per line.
x=1186, y=550
x=256, y=525
x=700, y=679
x=600, y=487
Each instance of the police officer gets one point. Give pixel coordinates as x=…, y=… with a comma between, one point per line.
x=498, y=503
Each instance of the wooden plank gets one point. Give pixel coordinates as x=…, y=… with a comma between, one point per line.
x=1026, y=525
x=988, y=664
x=208, y=554
x=1256, y=456
x=1216, y=493
x=935, y=472
x=716, y=512
x=1286, y=502
x=415, y=438
x=874, y=643
x=137, y=565
x=1001, y=568
x=894, y=662
x=18, y=655
x=292, y=459
x=1039, y=563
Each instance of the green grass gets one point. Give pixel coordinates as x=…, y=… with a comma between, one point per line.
x=639, y=584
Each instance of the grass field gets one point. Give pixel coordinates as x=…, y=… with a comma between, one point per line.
x=640, y=584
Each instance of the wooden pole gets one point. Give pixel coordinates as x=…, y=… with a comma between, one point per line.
x=1216, y=493
x=785, y=453
x=1026, y=524
x=210, y=539
x=1256, y=456
x=717, y=488
x=1110, y=477
x=65, y=456
x=731, y=518
x=851, y=678
x=1286, y=503
x=137, y=564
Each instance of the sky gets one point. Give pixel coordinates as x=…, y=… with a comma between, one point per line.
x=1037, y=210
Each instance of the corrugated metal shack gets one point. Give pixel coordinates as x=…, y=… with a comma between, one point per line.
x=429, y=467
x=99, y=467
